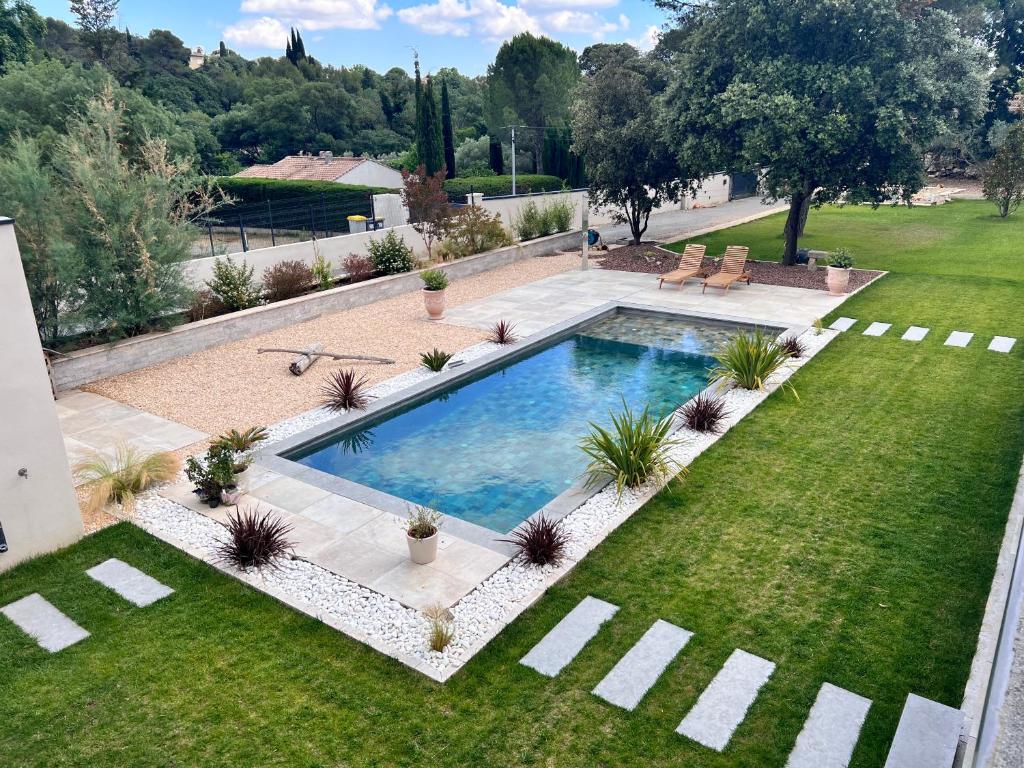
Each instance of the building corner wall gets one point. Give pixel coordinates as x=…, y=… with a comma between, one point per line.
x=38, y=508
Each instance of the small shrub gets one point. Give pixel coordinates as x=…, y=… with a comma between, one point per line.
x=121, y=479
x=704, y=413
x=529, y=222
x=442, y=628
x=434, y=279
x=357, y=267
x=635, y=450
x=255, y=540
x=559, y=215
x=423, y=523
x=818, y=326
x=205, y=303
x=390, y=255
x=841, y=258
x=503, y=332
x=322, y=269
x=344, y=391
x=792, y=346
x=540, y=541
x=213, y=474
x=286, y=280
x=472, y=230
x=435, y=360
x=747, y=360
x=233, y=284
x=239, y=442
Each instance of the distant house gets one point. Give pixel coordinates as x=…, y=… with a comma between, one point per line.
x=327, y=167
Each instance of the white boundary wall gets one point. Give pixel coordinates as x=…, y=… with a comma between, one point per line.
x=38, y=508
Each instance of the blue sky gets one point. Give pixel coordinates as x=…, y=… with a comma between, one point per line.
x=381, y=33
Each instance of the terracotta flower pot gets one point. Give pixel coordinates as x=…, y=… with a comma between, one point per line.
x=434, y=302
x=837, y=280
x=423, y=551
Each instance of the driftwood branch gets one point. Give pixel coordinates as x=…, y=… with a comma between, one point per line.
x=306, y=357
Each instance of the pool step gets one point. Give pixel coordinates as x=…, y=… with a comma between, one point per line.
x=831, y=731
x=927, y=736
x=637, y=672
x=724, y=703
x=559, y=646
x=44, y=623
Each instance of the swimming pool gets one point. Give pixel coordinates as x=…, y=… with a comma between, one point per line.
x=495, y=448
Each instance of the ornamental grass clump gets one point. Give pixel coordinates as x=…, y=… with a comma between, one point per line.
x=792, y=346
x=636, y=449
x=256, y=539
x=704, y=413
x=748, y=360
x=435, y=360
x=540, y=541
x=345, y=391
x=121, y=478
x=240, y=442
x=441, y=631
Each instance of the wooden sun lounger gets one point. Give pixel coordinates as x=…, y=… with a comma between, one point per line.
x=733, y=264
x=689, y=266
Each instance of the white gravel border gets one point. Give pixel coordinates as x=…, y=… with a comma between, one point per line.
x=401, y=632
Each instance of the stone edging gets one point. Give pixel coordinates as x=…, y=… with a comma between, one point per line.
x=86, y=365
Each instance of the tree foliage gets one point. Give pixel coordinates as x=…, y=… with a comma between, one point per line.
x=1004, y=173
x=19, y=26
x=829, y=98
x=631, y=167
x=447, y=135
x=423, y=194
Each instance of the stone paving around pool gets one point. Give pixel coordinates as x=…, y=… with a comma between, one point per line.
x=1002, y=344
x=927, y=736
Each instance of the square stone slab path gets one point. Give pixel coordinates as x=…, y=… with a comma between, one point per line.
x=843, y=323
x=561, y=645
x=130, y=583
x=915, y=333
x=927, y=736
x=724, y=703
x=1002, y=344
x=39, y=619
x=637, y=672
x=831, y=731
x=959, y=339
x=877, y=329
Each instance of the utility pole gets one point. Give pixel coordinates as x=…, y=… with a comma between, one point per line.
x=585, y=252
x=513, y=129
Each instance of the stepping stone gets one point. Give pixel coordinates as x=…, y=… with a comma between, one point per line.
x=640, y=668
x=831, y=731
x=1002, y=344
x=927, y=736
x=915, y=333
x=130, y=583
x=959, y=339
x=723, y=705
x=877, y=329
x=560, y=646
x=45, y=624
x=843, y=324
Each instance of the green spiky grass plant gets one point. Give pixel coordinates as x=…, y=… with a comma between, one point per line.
x=120, y=479
x=748, y=359
x=435, y=360
x=636, y=449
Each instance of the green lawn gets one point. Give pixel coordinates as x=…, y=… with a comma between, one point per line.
x=849, y=536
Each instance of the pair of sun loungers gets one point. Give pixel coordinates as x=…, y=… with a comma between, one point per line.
x=733, y=268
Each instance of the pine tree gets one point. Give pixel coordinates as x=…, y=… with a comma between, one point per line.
x=497, y=159
x=447, y=134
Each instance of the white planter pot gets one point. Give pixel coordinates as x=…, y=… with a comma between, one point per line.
x=423, y=551
x=837, y=280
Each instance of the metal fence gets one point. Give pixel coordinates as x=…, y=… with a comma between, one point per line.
x=240, y=228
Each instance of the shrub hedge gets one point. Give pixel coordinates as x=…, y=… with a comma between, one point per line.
x=249, y=191
x=502, y=185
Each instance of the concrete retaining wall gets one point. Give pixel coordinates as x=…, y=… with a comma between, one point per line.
x=105, y=360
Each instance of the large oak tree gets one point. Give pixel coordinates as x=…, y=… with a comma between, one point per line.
x=828, y=98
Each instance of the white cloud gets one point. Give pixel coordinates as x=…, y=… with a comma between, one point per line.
x=490, y=19
x=321, y=14
x=264, y=32
x=569, y=3
x=647, y=40
x=583, y=23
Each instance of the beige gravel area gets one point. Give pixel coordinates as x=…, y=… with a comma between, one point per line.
x=230, y=386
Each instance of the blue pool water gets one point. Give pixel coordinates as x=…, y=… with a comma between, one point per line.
x=495, y=450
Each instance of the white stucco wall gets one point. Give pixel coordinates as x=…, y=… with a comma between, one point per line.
x=38, y=511
x=373, y=174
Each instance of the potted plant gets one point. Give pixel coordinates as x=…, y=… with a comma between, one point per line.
x=838, y=277
x=434, y=283
x=421, y=533
x=213, y=475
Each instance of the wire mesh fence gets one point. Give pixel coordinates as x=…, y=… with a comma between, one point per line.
x=244, y=227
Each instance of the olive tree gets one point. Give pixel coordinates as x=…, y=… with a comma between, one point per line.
x=827, y=99
x=1004, y=173
x=630, y=166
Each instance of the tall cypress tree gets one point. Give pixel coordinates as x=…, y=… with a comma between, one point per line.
x=299, y=47
x=432, y=149
x=447, y=135
x=497, y=159
x=418, y=133
x=289, y=53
